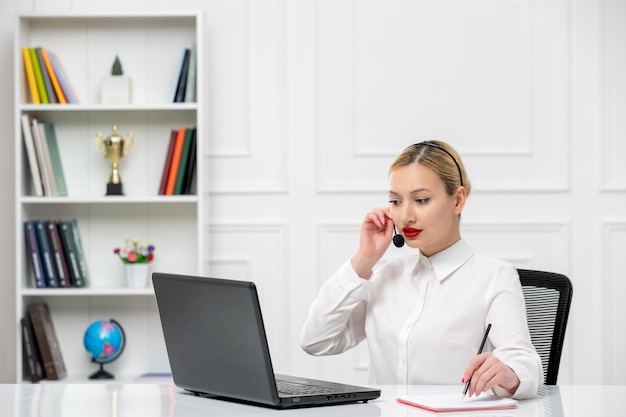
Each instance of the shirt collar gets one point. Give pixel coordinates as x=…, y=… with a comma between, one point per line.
x=447, y=261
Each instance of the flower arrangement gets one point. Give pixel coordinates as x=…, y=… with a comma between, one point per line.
x=134, y=252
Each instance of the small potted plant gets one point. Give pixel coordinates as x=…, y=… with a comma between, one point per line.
x=136, y=257
x=116, y=88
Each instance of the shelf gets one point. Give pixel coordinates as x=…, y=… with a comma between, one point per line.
x=83, y=292
x=149, y=46
x=50, y=108
x=174, y=199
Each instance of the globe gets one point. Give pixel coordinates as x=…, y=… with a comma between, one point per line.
x=104, y=340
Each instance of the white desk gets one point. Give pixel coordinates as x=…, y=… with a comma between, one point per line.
x=166, y=400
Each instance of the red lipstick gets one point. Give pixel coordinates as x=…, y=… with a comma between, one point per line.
x=410, y=232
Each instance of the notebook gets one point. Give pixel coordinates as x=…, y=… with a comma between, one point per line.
x=216, y=345
x=454, y=402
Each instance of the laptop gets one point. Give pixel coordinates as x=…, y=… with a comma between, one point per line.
x=217, y=346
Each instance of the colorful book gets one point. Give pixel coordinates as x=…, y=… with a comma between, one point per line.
x=47, y=342
x=191, y=166
x=178, y=150
x=190, y=89
x=43, y=95
x=47, y=259
x=168, y=162
x=41, y=159
x=62, y=78
x=34, y=254
x=53, y=77
x=30, y=76
x=55, y=159
x=71, y=252
x=80, y=252
x=52, y=97
x=30, y=351
x=182, y=79
x=31, y=153
x=184, y=159
x=58, y=254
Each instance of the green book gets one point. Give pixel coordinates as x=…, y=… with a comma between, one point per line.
x=41, y=87
x=55, y=157
x=80, y=253
x=184, y=160
x=71, y=252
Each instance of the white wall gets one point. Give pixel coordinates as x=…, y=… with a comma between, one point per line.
x=309, y=101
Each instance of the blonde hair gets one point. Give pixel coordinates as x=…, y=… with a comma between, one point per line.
x=441, y=158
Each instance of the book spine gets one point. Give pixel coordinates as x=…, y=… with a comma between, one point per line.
x=47, y=159
x=190, y=89
x=52, y=98
x=38, y=76
x=41, y=160
x=32, y=357
x=55, y=158
x=29, y=143
x=46, y=337
x=191, y=166
x=80, y=252
x=178, y=150
x=30, y=76
x=168, y=162
x=58, y=254
x=184, y=159
x=178, y=75
x=65, y=86
x=65, y=230
x=182, y=80
x=32, y=248
x=49, y=268
x=53, y=77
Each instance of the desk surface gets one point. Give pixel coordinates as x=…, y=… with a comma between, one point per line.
x=166, y=400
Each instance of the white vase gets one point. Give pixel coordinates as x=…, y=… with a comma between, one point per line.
x=137, y=275
x=116, y=89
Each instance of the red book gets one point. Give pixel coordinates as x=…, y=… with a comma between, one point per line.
x=178, y=150
x=168, y=163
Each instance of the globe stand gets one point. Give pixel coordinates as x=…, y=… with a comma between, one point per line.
x=101, y=374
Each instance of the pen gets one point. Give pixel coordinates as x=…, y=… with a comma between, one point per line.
x=480, y=350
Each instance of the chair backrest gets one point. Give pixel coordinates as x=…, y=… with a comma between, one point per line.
x=548, y=298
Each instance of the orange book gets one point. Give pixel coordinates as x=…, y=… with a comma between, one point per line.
x=30, y=76
x=178, y=150
x=53, y=77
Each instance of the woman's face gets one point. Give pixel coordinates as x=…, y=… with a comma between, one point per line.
x=422, y=211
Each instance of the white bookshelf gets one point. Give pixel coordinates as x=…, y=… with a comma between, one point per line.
x=150, y=47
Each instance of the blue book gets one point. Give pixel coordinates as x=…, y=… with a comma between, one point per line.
x=49, y=269
x=58, y=70
x=33, y=253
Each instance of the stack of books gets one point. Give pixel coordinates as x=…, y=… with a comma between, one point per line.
x=44, y=158
x=180, y=163
x=184, y=90
x=47, y=83
x=42, y=352
x=56, y=254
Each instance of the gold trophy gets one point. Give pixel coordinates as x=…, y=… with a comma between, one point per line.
x=114, y=149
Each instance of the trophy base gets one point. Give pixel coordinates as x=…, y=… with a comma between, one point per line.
x=114, y=189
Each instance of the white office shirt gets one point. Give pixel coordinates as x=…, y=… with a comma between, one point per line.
x=424, y=318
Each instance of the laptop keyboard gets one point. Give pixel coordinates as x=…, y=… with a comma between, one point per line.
x=292, y=388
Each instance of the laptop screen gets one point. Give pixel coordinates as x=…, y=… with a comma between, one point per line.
x=215, y=337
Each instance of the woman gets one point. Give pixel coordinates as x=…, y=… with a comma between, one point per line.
x=424, y=314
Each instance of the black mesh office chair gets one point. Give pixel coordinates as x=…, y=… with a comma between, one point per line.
x=548, y=298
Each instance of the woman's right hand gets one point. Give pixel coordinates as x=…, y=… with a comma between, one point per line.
x=376, y=235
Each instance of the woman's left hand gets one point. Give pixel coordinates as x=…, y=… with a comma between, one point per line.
x=488, y=372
